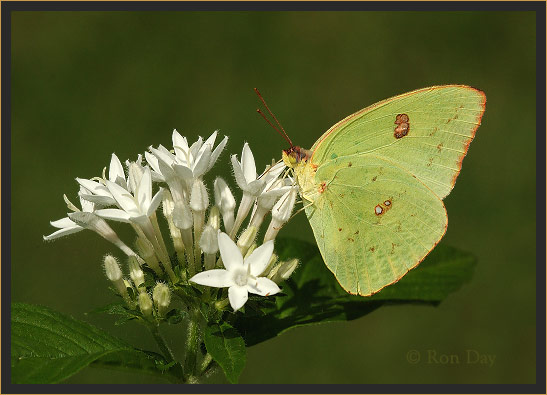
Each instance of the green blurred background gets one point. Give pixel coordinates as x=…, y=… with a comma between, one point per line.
x=86, y=84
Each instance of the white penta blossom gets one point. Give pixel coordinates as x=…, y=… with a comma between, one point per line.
x=85, y=219
x=200, y=223
x=245, y=172
x=188, y=163
x=241, y=276
x=97, y=191
x=136, y=208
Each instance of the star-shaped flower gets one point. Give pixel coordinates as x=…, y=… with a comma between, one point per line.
x=241, y=276
x=245, y=172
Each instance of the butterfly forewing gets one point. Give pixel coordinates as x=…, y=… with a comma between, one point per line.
x=426, y=132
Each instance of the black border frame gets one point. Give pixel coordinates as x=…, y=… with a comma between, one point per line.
x=7, y=7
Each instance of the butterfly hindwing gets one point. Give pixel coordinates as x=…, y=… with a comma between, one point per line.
x=373, y=221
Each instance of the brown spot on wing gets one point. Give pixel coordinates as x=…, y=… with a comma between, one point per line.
x=322, y=187
x=440, y=147
x=339, y=229
x=403, y=126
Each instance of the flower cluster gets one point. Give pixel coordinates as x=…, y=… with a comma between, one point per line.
x=212, y=247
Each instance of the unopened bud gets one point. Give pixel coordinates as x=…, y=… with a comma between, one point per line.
x=145, y=304
x=287, y=268
x=214, y=218
x=162, y=298
x=182, y=215
x=112, y=269
x=199, y=200
x=209, y=240
x=226, y=202
x=136, y=273
x=281, y=212
x=246, y=239
x=167, y=204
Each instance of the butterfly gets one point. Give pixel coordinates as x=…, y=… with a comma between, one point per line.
x=373, y=184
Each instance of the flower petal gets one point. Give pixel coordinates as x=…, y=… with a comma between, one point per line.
x=94, y=187
x=63, y=223
x=260, y=257
x=144, y=191
x=113, y=214
x=124, y=199
x=216, y=153
x=115, y=171
x=219, y=278
x=229, y=251
x=194, y=149
x=211, y=139
x=262, y=286
x=63, y=232
x=238, y=296
x=238, y=173
x=202, y=162
x=183, y=172
x=180, y=145
x=154, y=204
x=97, y=199
x=248, y=163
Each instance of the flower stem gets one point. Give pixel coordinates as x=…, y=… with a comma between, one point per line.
x=166, y=351
x=192, y=344
x=207, y=360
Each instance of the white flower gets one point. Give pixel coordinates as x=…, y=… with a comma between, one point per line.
x=245, y=172
x=86, y=219
x=241, y=276
x=136, y=208
x=187, y=163
x=65, y=225
x=281, y=213
x=97, y=192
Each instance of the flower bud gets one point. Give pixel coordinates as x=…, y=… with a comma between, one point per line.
x=182, y=216
x=246, y=239
x=167, y=204
x=147, y=251
x=287, y=268
x=112, y=269
x=226, y=202
x=214, y=218
x=162, y=297
x=209, y=240
x=281, y=212
x=136, y=273
x=199, y=200
x=145, y=304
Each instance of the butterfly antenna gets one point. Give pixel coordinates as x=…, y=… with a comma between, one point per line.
x=284, y=134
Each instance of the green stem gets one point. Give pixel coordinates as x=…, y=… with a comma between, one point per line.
x=166, y=351
x=207, y=360
x=192, y=344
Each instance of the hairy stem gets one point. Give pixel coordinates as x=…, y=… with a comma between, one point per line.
x=192, y=344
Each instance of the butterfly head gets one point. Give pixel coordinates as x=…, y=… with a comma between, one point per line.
x=294, y=155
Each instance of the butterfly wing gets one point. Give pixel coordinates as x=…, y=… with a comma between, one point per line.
x=373, y=221
x=429, y=143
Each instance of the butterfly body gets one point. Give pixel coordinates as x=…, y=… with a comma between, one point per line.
x=374, y=182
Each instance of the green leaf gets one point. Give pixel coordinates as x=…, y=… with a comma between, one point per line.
x=227, y=348
x=121, y=310
x=48, y=347
x=312, y=294
x=140, y=361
